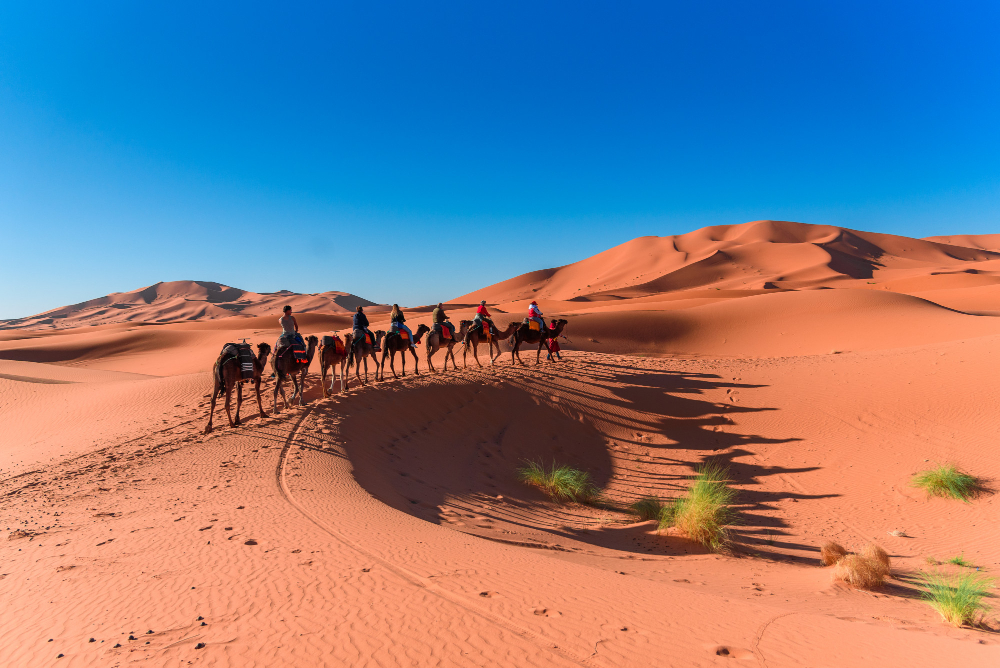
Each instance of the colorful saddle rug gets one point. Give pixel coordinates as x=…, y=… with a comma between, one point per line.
x=334, y=342
x=534, y=326
x=445, y=331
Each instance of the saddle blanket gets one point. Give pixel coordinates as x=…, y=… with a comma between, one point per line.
x=445, y=332
x=335, y=342
x=534, y=326
x=246, y=360
x=299, y=351
x=402, y=334
x=243, y=354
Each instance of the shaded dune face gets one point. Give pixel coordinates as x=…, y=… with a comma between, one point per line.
x=449, y=455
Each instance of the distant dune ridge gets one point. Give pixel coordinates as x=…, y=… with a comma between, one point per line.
x=759, y=255
x=704, y=273
x=174, y=301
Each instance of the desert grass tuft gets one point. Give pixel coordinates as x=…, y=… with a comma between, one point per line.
x=704, y=512
x=875, y=554
x=647, y=508
x=960, y=561
x=947, y=481
x=857, y=571
x=560, y=483
x=831, y=553
x=957, y=598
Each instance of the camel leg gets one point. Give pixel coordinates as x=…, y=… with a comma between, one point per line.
x=239, y=401
x=392, y=365
x=302, y=387
x=366, y=369
x=211, y=411
x=416, y=362
x=322, y=375
x=260, y=405
x=229, y=397
x=357, y=369
x=538, y=357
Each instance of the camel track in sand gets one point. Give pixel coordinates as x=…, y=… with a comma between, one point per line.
x=407, y=575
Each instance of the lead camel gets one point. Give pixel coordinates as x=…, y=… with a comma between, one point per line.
x=524, y=334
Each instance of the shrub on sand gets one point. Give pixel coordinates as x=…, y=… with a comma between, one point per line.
x=560, y=483
x=704, y=512
x=875, y=554
x=647, y=508
x=857, y=571
x=958, y=598
x=947, y=481
x=831, y=553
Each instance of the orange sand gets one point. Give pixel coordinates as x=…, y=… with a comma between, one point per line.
x=387, y=527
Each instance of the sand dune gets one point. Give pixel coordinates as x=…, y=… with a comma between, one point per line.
x=388, y=526
x=185, y=300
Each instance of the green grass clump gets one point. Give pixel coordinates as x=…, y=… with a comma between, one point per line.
x=947, y=481
x=704, y=512
x=958, y=598
x=647, y=508
x=960, y=561
x=560, y=483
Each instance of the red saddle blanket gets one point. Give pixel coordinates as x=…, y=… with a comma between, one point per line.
x=403, y=335
x=445, y=332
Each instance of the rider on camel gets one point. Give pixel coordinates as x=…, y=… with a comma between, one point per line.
x=289, y=329
x=397, y=322
x=361, y=327
x=535, y=313
x=483, y=315
x=440, y=318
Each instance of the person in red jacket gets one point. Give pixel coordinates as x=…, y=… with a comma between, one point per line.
x=535, y=313
x=553, y=343
x=483, y=315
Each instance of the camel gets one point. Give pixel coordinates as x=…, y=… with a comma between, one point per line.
x=523, y=334
x=394, y=344
x=361, y=352
x=329, y=357
x=434, y=343
x=229, y=375
x=284, y=364
x=480, y=335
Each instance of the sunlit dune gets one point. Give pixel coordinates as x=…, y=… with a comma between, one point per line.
x=820, y=368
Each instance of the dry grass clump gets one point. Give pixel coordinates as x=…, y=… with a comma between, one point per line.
x=958, y=598
x=859, y=572
x=831, y=553
x=647, y=508
x=874, y=553
x=947, y=481
x=560, y=483
x=867, y=569
x=704, y=512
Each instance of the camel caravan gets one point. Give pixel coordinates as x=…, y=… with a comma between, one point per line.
x=238, y=364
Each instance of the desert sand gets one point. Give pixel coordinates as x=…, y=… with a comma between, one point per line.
x=386, y=525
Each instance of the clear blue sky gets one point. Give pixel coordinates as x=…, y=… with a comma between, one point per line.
x=413, y=151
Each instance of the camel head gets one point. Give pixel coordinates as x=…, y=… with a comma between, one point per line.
x=378, y=335
x=263, y=350
x=560, y=325
x=421, y=330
